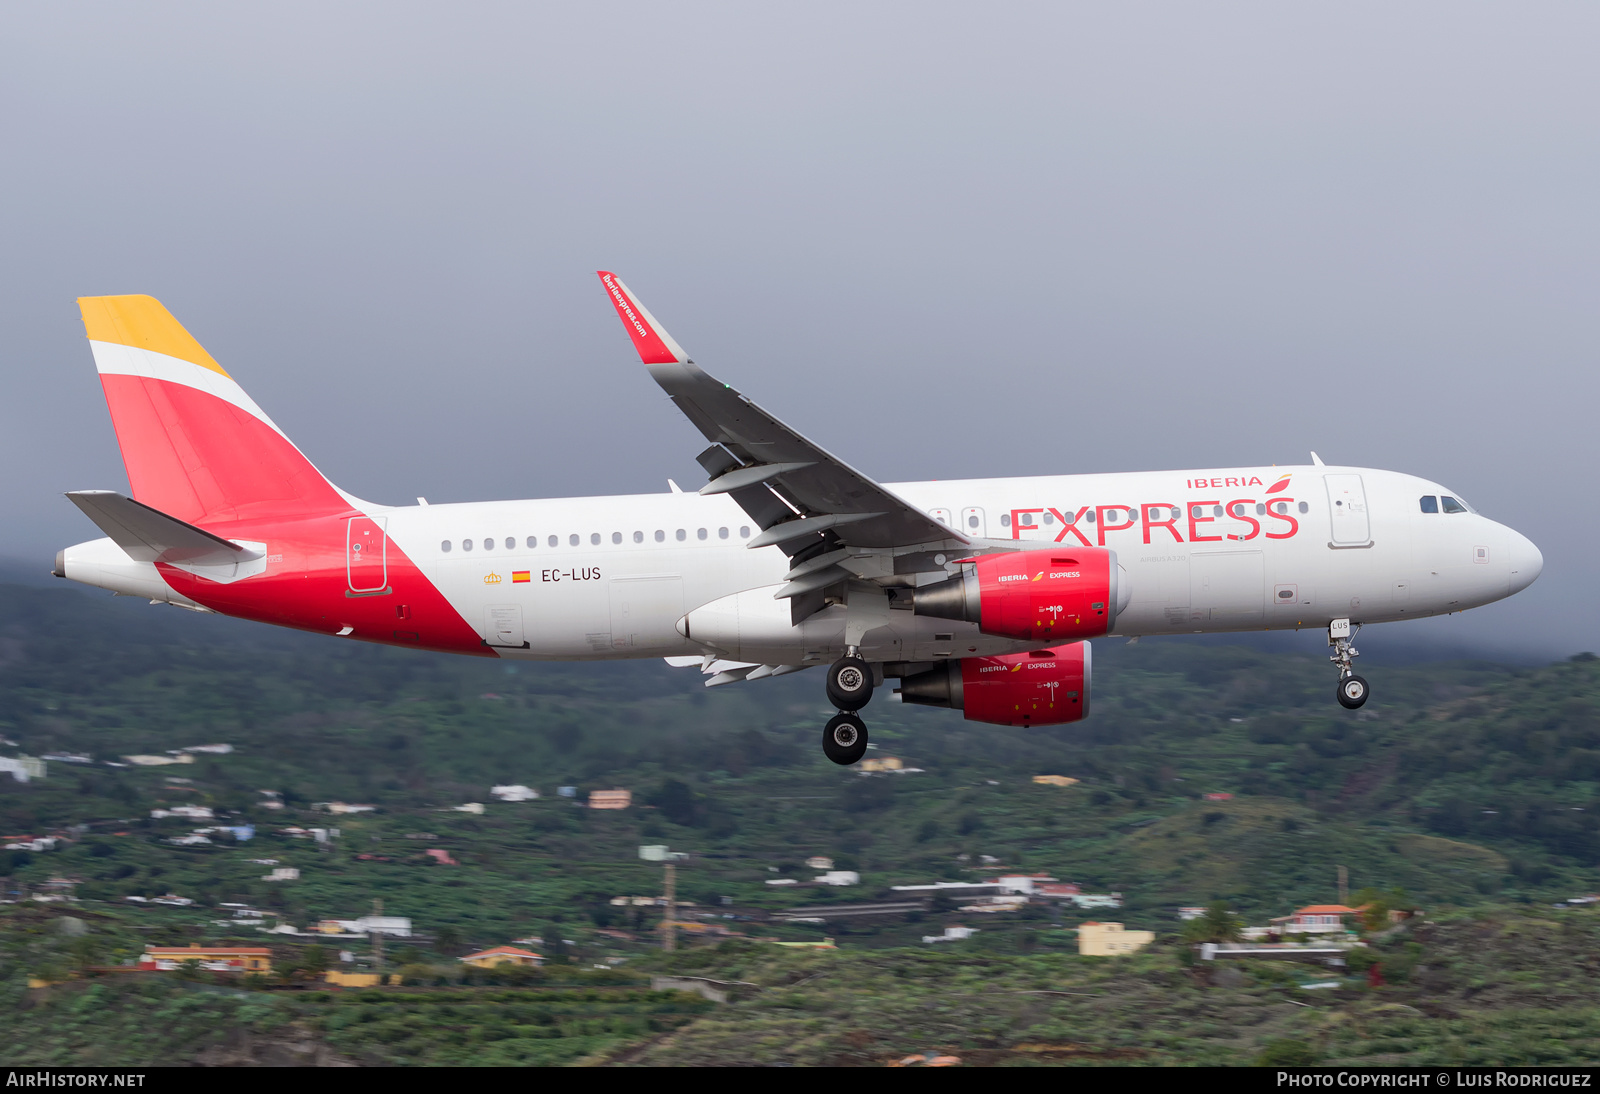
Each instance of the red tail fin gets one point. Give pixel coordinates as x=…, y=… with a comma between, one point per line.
x=195, y=445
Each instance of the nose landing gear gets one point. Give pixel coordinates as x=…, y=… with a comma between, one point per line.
x=850, y=684
x=1353, y=691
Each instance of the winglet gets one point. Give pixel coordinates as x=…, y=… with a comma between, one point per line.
x=654, y=344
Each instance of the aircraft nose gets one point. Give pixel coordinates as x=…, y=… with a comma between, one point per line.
x=1526, y=561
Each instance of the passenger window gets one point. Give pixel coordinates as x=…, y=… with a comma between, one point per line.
x=1090, y=516
x=638, y=537
x=1305, y=507
x=681, y=534
x=701, y=534
x=573, y=539
x=466, y=545
x=1216, y=510
x=722, y=533
x=972, y=521
x=488, y=545
x=1430, y=504
x=511, y=543
x=594, y=538
x=1451, y=505
x=445, y=546
x=1195, y=511
x=1261, y=510
x=554, y=541
x=744, y=531
x=1005, y=521
x=1283, y=507
x=533, y=541
x=616, y=537
x=1049, y=518
x=661, y=536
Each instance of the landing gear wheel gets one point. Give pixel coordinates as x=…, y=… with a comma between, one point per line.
x=844, y=739
x=1352, y=692
x=849, y=684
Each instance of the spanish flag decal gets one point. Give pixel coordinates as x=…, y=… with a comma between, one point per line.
x=519, y=576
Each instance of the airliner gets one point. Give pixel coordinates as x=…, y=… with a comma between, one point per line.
x=978, y=595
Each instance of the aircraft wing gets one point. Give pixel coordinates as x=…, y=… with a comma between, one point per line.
x=806, y=500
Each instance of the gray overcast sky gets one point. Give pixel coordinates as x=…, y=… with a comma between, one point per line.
x=944, y=240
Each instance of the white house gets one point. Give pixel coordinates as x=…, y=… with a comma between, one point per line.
x=840, y=877
x=22, y=768
x=514, y=793
x=1026, y=884
x=283, y=873
x=951, y=934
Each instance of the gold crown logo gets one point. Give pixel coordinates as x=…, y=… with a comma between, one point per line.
x=491, y=579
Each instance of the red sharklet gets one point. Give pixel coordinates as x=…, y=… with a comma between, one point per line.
x=653, y=349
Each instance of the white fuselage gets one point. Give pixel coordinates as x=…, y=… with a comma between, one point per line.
x=1206, y=551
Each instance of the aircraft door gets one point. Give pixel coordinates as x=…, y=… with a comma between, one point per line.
x=1347, y=501
x=645, y=611
x=973, y=523
x=366, y=562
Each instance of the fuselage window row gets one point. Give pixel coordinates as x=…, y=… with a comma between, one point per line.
x=682, y=535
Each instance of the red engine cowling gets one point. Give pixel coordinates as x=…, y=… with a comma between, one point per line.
x=1038, y=688
x=1036, y=596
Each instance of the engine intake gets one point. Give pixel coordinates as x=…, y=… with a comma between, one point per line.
x=1033, y=595
x=1038, y=688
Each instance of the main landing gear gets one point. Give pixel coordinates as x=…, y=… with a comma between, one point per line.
x=850, y=684
x=1353, y=691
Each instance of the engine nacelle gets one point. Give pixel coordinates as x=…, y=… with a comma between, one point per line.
x=1038, y=688
x=1036, y=596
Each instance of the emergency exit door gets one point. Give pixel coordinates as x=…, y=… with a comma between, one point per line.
x=366, y=550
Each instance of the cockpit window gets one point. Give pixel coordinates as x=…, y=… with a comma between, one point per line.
x=1451, y=505
x=1430, y=504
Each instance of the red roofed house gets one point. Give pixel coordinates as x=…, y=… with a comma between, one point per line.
x=216, y=958
x=503, y=955
x=1317, y=919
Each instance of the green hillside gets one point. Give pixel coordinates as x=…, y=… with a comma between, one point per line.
x=1467, y=785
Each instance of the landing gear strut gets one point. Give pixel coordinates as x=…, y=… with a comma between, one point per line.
x=1353, y=691
x=844, y=738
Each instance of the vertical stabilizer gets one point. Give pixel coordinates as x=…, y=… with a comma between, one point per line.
x=195, y=446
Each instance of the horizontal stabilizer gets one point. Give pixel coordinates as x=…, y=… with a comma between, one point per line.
x=149, y=535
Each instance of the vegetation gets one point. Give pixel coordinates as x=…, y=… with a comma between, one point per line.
x=1468, y=790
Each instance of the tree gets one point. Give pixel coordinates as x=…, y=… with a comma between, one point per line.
x=316, y=960
x=1218, y=924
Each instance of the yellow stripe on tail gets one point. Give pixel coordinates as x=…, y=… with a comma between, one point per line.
x=142, y=322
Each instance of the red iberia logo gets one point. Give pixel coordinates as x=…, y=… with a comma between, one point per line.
x=519, y=576
x=1279, y=486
